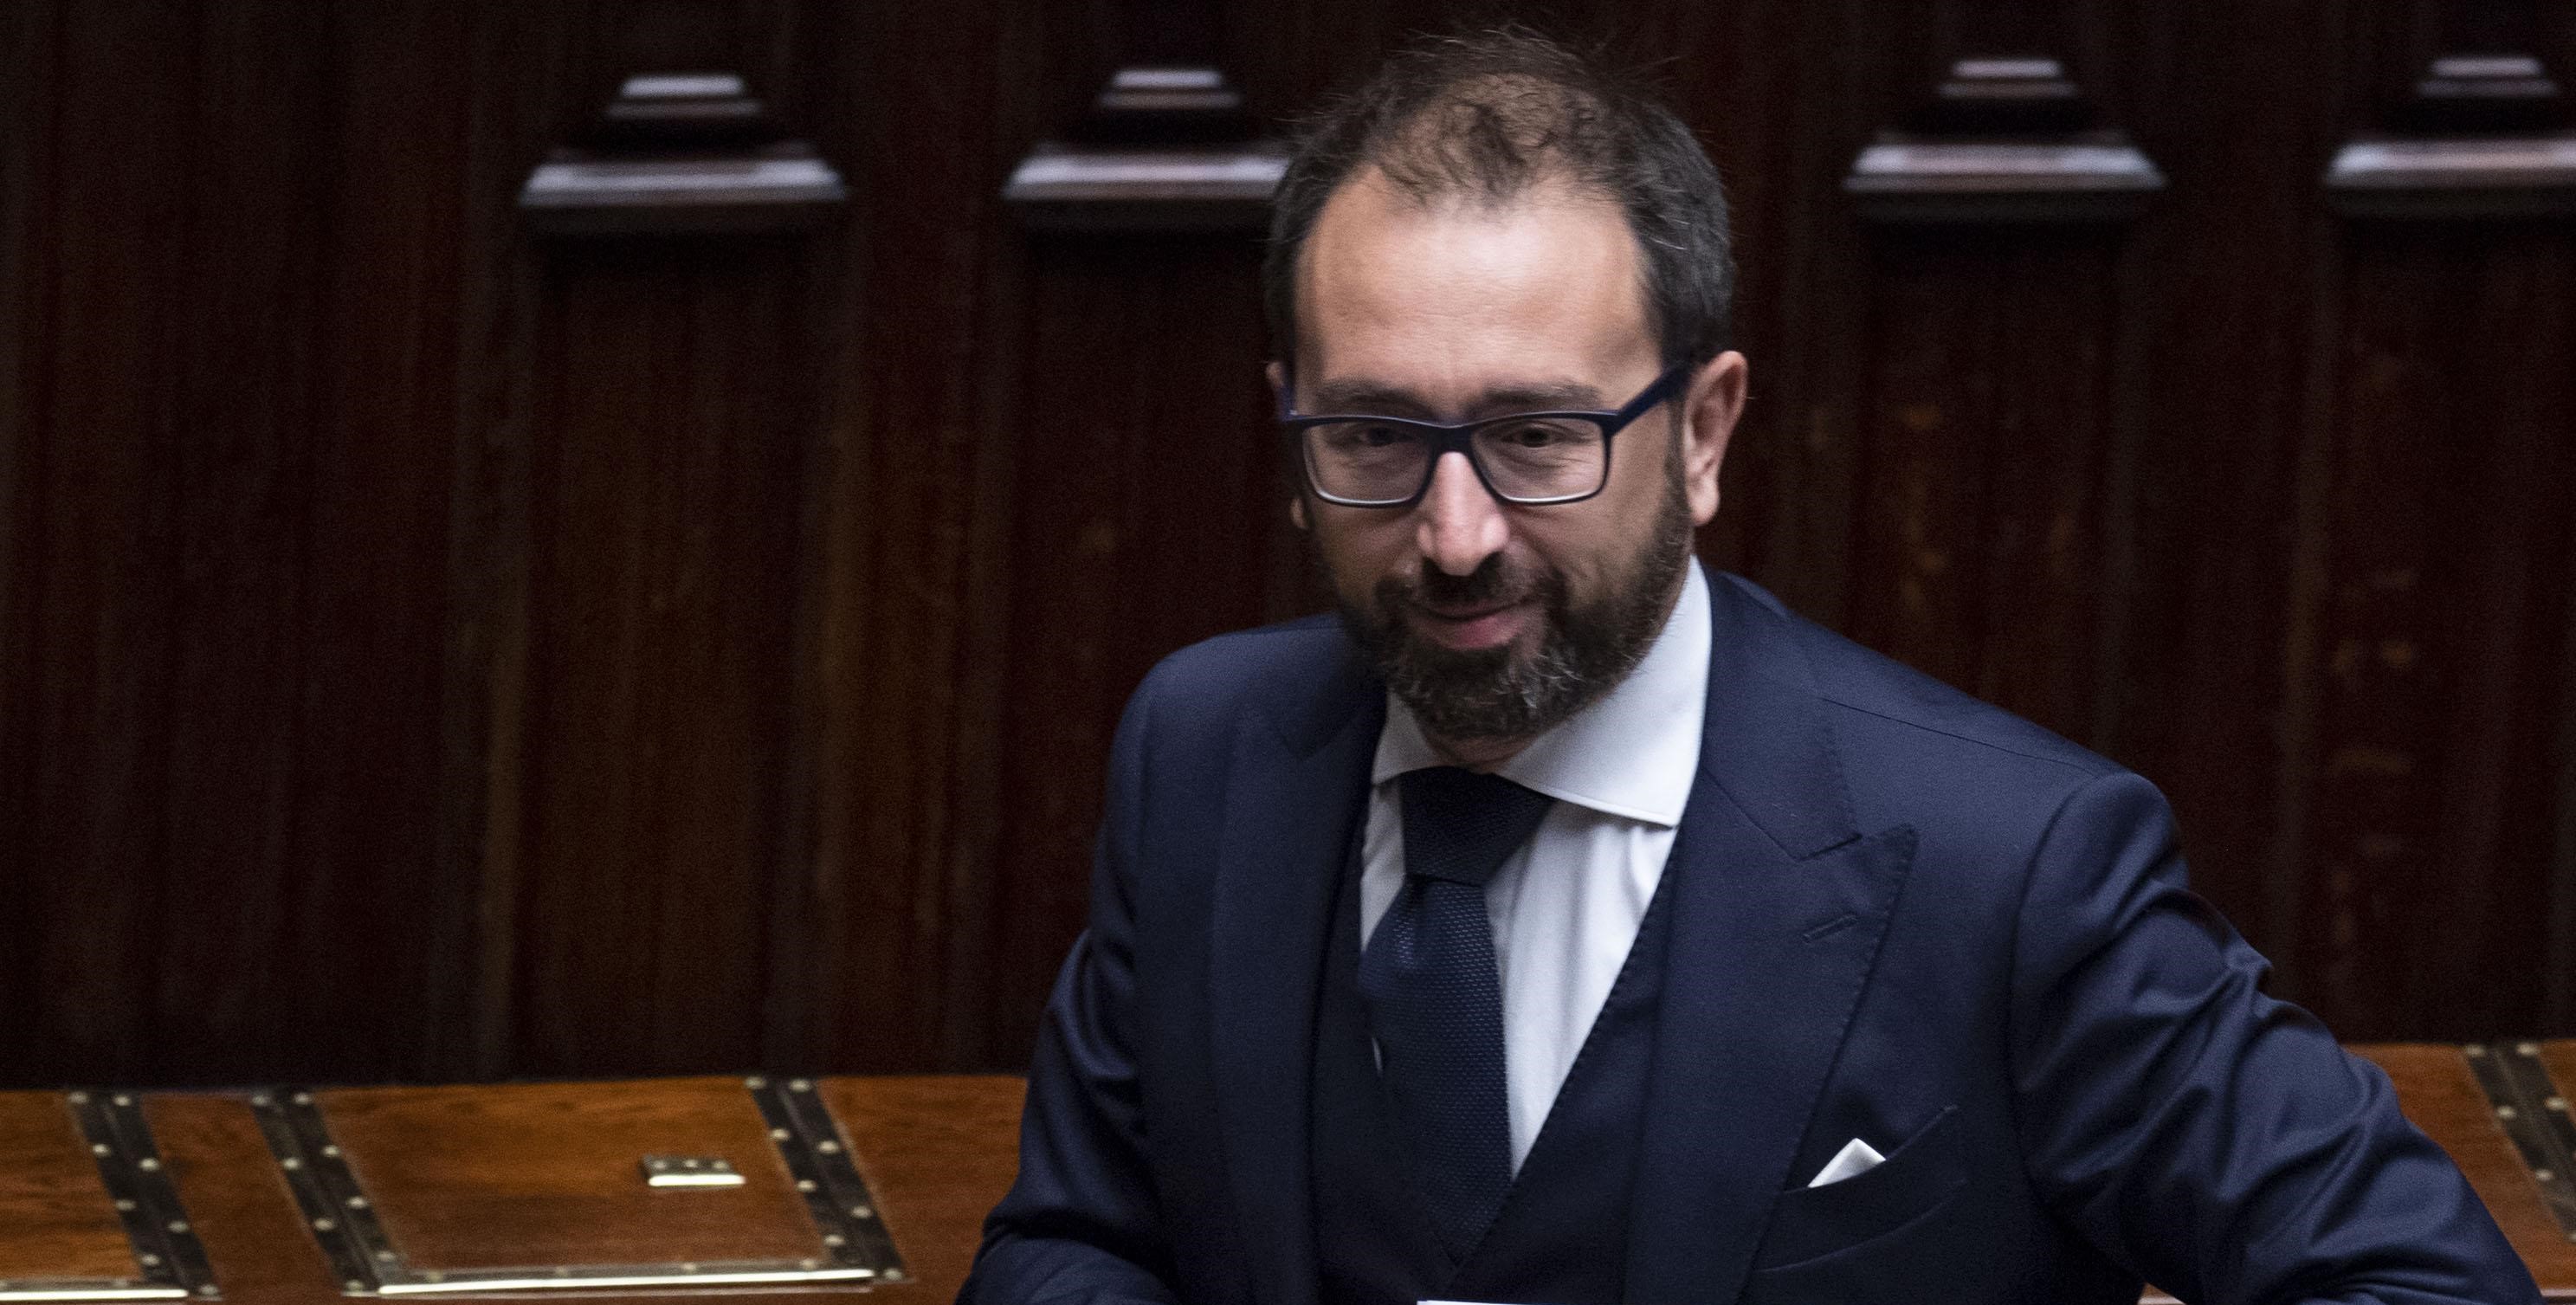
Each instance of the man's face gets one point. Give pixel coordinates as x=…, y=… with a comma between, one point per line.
x=1491, y=620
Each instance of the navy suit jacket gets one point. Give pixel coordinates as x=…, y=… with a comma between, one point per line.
x=1898, y=914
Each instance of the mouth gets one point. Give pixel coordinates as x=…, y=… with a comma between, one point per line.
x=1467, y=627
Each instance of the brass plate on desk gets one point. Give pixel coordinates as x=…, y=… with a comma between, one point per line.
x=90, y=1209
x=549, y=1187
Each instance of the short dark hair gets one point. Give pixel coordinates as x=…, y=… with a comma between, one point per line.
x=1487, y=114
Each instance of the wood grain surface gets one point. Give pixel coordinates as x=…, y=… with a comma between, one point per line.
x=58, y=1218
x=2441, y=1095
x=546, y=1174
x=543, y=1170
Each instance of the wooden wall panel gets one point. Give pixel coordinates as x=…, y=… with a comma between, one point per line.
x=667, y=465
x=2444, y=623
x=430, y=651
x=1978, y=528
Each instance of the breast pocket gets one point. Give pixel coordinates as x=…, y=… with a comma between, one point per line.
x=1899, y=1193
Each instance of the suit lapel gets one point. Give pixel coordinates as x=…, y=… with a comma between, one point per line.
x=1777, y=915
x=1296, y=792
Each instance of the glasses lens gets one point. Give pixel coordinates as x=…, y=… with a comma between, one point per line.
x=1540, y=458
x=1366, y=461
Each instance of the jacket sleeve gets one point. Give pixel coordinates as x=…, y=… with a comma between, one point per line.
x=2217, y=1141
x=1082, y=1222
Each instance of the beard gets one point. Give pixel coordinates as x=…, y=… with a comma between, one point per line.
x=1583, y=650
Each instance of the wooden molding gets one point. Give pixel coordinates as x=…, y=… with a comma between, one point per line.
x=2487, y=141
x=1164, y=148
x=2003, y=141
x=681, y=154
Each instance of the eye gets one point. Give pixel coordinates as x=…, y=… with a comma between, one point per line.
x=1361, y=436
x=1539, y=435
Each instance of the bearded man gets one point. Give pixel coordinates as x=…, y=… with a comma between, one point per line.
x=1564, y=924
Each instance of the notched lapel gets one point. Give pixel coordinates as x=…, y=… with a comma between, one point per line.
x=1291, y=806
x=1778, y=914
x=1762, y=982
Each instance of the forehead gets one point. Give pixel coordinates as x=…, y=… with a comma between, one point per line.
x=1546, y=280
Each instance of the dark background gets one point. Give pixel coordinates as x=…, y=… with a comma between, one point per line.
x=432, y=651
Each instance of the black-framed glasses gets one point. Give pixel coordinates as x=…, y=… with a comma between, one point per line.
x=1526, y=457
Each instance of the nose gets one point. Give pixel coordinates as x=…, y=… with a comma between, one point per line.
x=1458, y=524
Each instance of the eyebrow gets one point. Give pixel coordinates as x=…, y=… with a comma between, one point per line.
x=1364, y=396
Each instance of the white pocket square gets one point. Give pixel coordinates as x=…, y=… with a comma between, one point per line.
x=1856, y=1158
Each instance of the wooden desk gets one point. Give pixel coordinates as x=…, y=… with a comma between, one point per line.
x=935, y=1153
x=487, y=1179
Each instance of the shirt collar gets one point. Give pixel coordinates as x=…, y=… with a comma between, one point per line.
x=1632, y=754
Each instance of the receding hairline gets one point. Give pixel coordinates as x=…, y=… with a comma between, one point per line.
x=1551, y=187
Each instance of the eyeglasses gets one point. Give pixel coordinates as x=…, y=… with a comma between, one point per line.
x=1526, y=458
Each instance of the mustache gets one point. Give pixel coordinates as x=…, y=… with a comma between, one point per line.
x=1493, y=581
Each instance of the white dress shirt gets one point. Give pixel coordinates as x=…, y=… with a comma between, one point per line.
x=1565, y=907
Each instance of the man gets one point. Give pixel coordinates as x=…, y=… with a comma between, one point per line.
x=1565, y=925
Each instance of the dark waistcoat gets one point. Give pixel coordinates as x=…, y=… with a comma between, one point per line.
x=1562, y=1235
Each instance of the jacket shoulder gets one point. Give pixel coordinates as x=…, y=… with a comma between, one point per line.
x=1283, y=671
x=1914, y=750
x=1865, y=684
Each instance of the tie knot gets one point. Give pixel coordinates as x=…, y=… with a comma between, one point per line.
x=1459, y=825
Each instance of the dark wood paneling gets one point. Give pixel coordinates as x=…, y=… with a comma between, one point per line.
x=1980, y=557
x=2444, y=625
x=427, y=651
x=667, y=463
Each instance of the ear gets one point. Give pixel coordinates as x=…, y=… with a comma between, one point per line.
x=1709, y=412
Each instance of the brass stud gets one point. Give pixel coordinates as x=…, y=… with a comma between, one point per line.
x=209, y=1290
x=827, y=1146
x=291, y=1163
x=261, y=1100
x=799, y=1085
x=2527, y=1048
x=894, y=1275
x=804, y=1184
x=833, y=1239
x=78, y=1098
x=809, y=1264
x=325, y=1225
x=148, y=1259
x=357, y=1203
x=178, y=1225
x=147, y=1164
x=98, y=1148
x=2507, y=1112
x=125, y=1205
x=302, y=1098
x=778, y=1135
x=861, y=1212
x=353, y=1286
x=331, y=1151
x=755, y=1082
x=122, y=1100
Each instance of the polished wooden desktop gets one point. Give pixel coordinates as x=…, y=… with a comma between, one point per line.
x=832, y=1187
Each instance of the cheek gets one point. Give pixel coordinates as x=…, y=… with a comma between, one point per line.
x=1359, y=551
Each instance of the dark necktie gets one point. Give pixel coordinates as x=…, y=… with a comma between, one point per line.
x=1435, y=1000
